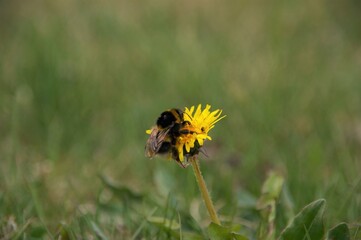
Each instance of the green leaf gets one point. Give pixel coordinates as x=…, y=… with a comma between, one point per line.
x=266, y=204
x=164, y=223
x=218, y=232
x=38, y=231
x=308, y=224
x=237, y=236
x=339, y=232
x=271, y=189
x=98, y=231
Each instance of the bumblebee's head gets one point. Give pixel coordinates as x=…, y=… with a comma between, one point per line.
x=168, y=118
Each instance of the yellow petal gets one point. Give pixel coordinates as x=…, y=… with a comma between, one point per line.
x=198, y=112
x=188, y=147
x=180, y=154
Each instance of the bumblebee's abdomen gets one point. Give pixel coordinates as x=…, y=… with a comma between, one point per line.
x=165, y=147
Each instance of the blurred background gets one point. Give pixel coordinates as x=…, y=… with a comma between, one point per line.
x=81, y=81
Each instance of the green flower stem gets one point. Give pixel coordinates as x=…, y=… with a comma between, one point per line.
x=204, y=191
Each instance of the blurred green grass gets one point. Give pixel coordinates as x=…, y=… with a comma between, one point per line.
x=81, y=81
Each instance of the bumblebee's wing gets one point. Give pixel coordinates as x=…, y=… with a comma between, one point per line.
x=155, y=141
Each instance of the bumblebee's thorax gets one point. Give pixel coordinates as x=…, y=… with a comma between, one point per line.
x=169, y=118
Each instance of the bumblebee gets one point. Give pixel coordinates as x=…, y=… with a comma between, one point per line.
x=163, y=136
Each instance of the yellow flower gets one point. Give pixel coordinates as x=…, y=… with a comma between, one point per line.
x=181, y=134
x=199, y=123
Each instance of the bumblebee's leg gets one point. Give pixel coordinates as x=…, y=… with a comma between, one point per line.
x=183, y=165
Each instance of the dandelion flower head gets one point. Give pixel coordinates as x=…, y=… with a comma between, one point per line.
x=199, y=123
